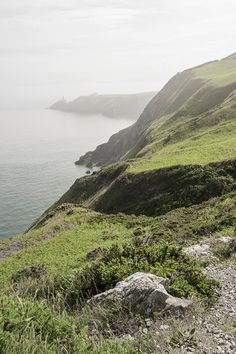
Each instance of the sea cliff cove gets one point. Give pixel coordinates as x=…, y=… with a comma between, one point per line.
x=118, y=208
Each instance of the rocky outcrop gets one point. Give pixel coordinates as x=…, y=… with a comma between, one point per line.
x=144, y=293
x=205, y=250
x=199, y=251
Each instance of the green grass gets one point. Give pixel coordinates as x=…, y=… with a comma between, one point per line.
x=83, y=231
x=164, y=259
x=44, y=326
x=220, y=73
x=198, y=133
x=31, y=327
x=186, y=139
x=214, y=144
x=66, y=252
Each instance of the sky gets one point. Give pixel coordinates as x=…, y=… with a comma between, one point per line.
x=55, y=48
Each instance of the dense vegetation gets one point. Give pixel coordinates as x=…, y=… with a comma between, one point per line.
x=117, y=189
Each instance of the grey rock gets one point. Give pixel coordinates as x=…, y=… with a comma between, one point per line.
x=225, y=239
x=127, y=337
x=199, y=251
x=164, y=327
x=148, y=322
x=146, y=294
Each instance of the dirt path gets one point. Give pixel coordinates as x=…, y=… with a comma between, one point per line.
x=220, y=324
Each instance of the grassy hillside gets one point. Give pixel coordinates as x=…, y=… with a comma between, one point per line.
x=194, y=101
x=219, y=73
x=200, y=139
x=47, y=274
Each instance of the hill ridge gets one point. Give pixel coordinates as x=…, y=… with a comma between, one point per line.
x=189, y=93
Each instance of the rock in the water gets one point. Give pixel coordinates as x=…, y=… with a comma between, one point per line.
x=145, y=293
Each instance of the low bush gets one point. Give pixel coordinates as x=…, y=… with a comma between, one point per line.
x=164, y=259
x=186, y=276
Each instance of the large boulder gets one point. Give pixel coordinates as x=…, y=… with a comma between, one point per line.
x=144, y=293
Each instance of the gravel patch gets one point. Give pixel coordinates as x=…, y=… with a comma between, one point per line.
x=220, y=324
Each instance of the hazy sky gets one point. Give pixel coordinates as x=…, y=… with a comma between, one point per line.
x=50, y=48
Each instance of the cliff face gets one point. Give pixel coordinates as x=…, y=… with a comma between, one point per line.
x=128, y=106
x=170, y=98
x=188, y=94
x=180, y=152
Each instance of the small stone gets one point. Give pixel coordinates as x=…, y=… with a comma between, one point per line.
x=127, y=337
x=148, y=322
x=164, y=327
x=145, y=330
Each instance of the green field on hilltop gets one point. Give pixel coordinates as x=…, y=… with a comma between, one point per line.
x=215, y=144
x=182, y=138
x=220, y=73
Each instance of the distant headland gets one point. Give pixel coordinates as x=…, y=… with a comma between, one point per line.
x=128, y=106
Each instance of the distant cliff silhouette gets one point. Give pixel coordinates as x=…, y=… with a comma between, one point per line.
x=129, y=106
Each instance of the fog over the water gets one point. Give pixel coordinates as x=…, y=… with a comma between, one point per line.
x=50, y=48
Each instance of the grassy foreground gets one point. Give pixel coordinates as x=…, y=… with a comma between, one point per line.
x=77, y=252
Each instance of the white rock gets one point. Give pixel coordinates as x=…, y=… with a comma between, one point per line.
x=225, y=239
x=145, y=293
x=164, y=327
x=198, y=251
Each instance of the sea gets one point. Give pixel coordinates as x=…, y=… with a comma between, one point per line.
x=37, y=153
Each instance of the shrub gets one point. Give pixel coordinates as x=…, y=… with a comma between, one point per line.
x=117, y=263
x=167, y=260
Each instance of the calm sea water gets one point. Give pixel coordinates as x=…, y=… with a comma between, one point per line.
x=37, y=154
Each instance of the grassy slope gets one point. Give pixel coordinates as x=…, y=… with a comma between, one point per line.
x=220, y=73
x=84, y=230
x=201, y=146
x=185, y=137
x=153, y=192
x=76, y=235
x=62, y=244
x=186, y=96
